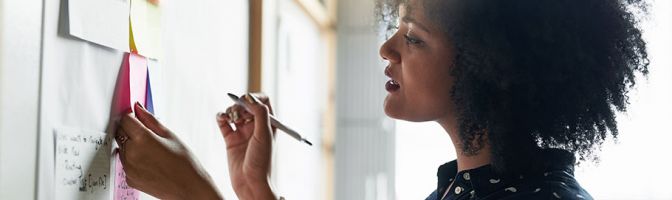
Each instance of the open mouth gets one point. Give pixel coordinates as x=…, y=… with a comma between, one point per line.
x=391, y=85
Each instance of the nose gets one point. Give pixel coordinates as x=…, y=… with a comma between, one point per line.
x=388, y=51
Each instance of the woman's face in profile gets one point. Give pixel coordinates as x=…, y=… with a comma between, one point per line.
x=420, y=58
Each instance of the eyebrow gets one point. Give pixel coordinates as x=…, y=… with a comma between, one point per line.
x=407, y=19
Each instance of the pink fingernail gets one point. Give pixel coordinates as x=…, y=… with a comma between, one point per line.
x=137, y=103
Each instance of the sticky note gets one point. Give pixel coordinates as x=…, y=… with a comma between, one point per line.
x=137, y=78
x=154, y=83
x=82, y=164
x=121, y=189
x=131, y=42
x=132, y=86
x=149, y=102
x=145, y=20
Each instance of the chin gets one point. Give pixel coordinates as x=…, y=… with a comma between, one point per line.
x=396, y=112
x=390, y=109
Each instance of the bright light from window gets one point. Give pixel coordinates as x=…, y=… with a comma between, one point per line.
x=636, y=167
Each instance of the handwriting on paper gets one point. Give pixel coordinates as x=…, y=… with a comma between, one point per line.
x=82, y=164
x=121, y=189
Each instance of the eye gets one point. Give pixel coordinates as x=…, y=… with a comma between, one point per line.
x=412, y=40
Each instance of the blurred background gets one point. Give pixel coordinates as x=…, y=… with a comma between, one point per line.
x=318, y=61
x=325, y=76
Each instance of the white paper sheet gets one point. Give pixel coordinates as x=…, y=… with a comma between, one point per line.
x=104, y=22
x=82, y=165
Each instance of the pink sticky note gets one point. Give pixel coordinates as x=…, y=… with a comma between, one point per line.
x=131, y=84
x=121, y=190
x=138, y=78
x=131, y=88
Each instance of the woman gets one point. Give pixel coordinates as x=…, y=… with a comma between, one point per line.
x=521, y=87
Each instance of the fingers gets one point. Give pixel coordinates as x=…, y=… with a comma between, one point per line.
x=261, y=119
x=263, y=99
x=133, y=128
x=224, y=126
x=120, y=136
x=148, y=119
x=237, y=114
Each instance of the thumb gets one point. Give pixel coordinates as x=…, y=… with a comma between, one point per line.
x=148, y=119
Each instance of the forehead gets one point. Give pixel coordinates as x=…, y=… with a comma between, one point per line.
x=413, y=9
x=412, y=12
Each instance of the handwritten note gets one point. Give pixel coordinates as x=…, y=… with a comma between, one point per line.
x=121, y=189
x=82, y=164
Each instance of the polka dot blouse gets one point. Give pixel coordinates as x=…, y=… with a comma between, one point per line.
x=555, y=182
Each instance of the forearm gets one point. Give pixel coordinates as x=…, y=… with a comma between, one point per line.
x=201, y=191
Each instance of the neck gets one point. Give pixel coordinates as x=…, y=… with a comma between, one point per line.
x=465, y=161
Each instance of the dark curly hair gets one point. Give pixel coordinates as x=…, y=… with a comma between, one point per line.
x=537, y=74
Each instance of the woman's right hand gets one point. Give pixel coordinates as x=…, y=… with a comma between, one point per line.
x=249, y=146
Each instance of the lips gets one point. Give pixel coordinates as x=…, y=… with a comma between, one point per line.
x=391, y=85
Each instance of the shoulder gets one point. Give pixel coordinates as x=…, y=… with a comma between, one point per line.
x=543, y=189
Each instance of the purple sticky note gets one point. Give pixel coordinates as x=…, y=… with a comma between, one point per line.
x=149, y=102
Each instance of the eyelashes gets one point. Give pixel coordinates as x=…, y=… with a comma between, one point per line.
x=412, y=40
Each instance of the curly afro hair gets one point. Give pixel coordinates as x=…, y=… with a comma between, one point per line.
x=537, y=74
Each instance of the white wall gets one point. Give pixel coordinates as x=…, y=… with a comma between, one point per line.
x=71, y=82
x=20, y=30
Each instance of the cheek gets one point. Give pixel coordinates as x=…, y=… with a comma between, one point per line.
x=426, y=94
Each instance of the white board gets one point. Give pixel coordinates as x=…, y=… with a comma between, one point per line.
x=205, y=56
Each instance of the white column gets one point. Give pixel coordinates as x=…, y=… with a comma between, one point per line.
x=365, y=141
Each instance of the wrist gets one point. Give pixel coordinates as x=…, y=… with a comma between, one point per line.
x=202, y=189
x=263, y=190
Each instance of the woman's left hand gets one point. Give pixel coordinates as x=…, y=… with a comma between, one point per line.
x=157, y=163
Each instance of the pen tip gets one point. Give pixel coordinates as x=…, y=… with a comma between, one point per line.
x=308, y=142
x=232, y=96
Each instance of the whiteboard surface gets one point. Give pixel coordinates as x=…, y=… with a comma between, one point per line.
x=205, y=56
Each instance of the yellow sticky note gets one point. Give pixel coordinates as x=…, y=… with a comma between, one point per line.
x=131, y=41
x=146, y=28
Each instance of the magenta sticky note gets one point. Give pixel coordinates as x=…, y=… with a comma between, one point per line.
x=131, y=87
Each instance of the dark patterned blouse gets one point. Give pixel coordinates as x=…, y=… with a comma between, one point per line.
x=555, y=182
